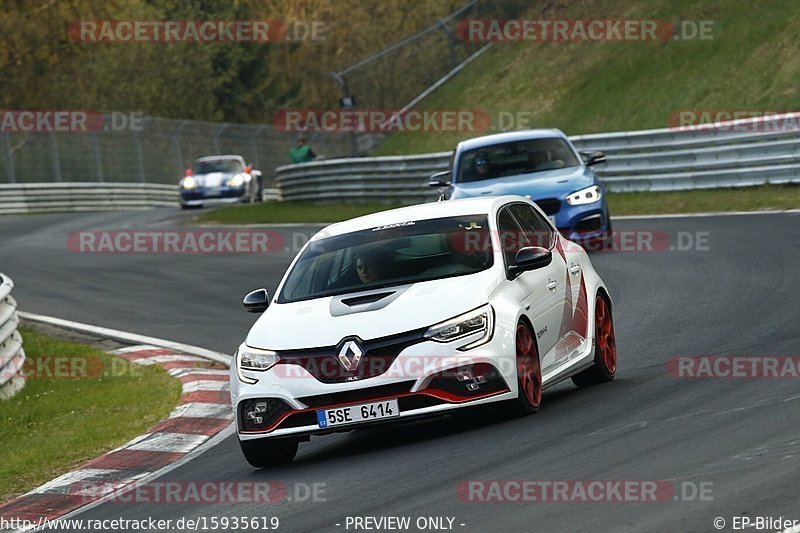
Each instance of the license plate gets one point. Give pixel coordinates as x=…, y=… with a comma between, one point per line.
x=340, y=416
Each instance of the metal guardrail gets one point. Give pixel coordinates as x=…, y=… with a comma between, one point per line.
x=12, y=356
x=649, y=160
x=61, y=197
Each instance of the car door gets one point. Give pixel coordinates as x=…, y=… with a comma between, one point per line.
x=542, y=289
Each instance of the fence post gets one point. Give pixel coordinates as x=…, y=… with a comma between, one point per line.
x=98, y=161
x=217, y=136
x=176, y=141
x=9, y=159
x=346, y=96
x=451, y=42
x=137, y=146
x=56, y=158
x=256, y=158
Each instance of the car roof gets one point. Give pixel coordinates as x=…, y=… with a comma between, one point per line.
x=450, y=208
x=218, y=158
x=510, y=136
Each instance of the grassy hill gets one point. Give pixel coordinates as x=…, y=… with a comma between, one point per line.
x=751, y=63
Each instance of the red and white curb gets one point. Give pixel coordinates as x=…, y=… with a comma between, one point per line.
x=204, y=411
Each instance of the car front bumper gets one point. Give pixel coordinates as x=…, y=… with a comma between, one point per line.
x=425, y=378
x=218, y=196
x=584, y=224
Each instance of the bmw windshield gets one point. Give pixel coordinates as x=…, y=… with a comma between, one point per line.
x=384, y=256
x=513, y=158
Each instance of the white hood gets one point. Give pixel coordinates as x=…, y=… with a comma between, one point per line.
x=310, y=324
x=214, y=179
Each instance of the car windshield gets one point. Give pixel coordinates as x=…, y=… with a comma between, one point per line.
x=229, y=166
x=512, y=158
x=396, y=254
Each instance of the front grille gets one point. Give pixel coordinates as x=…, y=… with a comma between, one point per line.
x=274, y=408
x=550, y=206
x=378, y=356
x=359, y=395
x=405, y=403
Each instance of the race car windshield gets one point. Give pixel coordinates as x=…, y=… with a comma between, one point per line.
x=226, y=166
x=385, y=256
x=513, y=158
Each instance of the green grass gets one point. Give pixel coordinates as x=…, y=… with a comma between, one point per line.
x=583, y=87
x=708, y=200
x=629, y=203
x=96, y=404
x=285, y=212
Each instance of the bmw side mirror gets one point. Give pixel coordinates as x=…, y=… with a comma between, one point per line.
x=530, y=258
x=256, y=301
x=440, y=179
x=593, y=158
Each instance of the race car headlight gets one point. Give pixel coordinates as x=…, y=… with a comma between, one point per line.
x=236, y=181
x=477, y=321
x=188, y=183
x=254, y=360
x=588, y=195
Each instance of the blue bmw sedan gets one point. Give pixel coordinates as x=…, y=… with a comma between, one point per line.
x=542, y=165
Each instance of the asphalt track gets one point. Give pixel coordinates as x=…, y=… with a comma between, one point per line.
x=738, y=295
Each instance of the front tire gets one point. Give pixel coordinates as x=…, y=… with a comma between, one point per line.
x=262, y=453
x=605, y=351
x=529, y=371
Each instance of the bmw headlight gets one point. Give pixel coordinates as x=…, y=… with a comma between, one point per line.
x=255, y=360
x=470, y=324
x=589, y=195
x=188, y=183
x=236, y=181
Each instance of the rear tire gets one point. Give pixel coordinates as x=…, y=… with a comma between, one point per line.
x=262, y=453
x=605, y=350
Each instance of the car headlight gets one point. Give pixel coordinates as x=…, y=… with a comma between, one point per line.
x=188, y=183
x=236, y=181
x=588, y=195
x=254, y=360
x=477, y=321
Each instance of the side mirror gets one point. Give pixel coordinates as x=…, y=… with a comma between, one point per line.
x=593, y=158
x=188, y=172
x=440, y=179
x=256, y=301
x=530, y=258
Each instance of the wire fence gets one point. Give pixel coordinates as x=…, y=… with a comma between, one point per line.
x=157, y=150
x=394, y=76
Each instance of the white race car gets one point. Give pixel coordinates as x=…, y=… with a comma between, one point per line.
x=418, y=311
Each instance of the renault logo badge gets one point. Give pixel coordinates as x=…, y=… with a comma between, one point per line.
x=350, y=355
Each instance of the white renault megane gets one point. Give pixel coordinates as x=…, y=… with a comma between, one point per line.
x=416, y=312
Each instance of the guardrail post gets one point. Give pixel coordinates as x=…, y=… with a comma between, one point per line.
x=9, y=159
